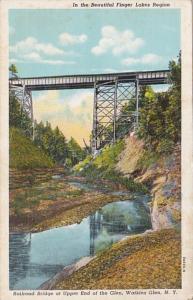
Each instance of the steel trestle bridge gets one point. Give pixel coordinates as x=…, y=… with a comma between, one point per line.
x=112, y=92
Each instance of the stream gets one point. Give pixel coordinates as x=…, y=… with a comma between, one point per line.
x=36, y=257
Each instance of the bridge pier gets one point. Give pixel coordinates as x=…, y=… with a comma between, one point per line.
x=24, y=97
x=110, y=115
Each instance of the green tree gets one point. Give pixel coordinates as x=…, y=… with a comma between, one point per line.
x=125, y=119
x=160, y=113
x=51, y=141
x=14, y=112
x=75, y=152
x=17, y=117
x=59, y=146
x=173, y=113
x=13, y=69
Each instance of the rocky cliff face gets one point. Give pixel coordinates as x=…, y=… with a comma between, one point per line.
x=163, y=176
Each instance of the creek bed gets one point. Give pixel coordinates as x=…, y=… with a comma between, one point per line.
x=36, y=257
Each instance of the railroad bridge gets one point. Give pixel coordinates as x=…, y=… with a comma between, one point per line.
x=111, y=93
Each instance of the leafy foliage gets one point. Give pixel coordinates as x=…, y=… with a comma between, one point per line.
x=75, y=152
x=104, y=167
x=54, y=143
x=51, y=141
x=160, y=114
x=109, y=156
x=17, y=117
x=13, y=69
x=24, y=154
x=83, y=164
x=106, y=159
x=126, y=118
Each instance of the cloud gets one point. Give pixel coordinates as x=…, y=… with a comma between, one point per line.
x=57, y=62
x=32, y=44
x=130, y=61
x=151, y=58
x=69, y=39
x=117, y=42
x=36, y=58
x=146, y=59
x=30, y=50
x=73, y=114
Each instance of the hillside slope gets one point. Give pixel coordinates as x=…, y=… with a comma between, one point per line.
x=103, y=167
x=129, y=164
x=162, y=176
x=24, y=154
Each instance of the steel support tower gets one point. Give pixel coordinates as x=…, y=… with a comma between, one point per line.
x=110, y=99
x=24, y=97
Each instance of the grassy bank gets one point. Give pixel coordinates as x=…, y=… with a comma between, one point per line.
x=142, y=262
x=103, y=166
x=24, y=154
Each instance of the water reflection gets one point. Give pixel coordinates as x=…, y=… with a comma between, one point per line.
x=36, y=257
x=19, y=249
x=116, y=220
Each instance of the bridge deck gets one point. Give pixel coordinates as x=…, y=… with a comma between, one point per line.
x=88, y=81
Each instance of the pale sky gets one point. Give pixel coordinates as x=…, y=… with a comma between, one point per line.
x=60, y=42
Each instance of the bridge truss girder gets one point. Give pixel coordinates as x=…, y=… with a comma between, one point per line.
x=24, y=97
x=110, y=98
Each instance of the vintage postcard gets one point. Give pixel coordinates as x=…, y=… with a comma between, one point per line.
x=96, y=149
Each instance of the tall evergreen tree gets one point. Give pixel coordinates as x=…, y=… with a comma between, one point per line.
x=75, y=152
